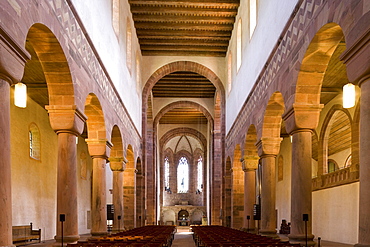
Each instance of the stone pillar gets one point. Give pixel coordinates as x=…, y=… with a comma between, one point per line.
x=67, y=122
x=117, y=165
x=300, y=121
x=364, y=205
x=268, y=148
x=5, y=167
x=130, y=197
x=99, y=151
x=249, y=165
x=301, y=194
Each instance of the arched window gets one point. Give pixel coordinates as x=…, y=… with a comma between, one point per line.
x=129, y=45
x=34, y=142
x=332, y=166
x=138, y=77
x=252, y=17
x=183, y=176
x=115, y=16
x=239, y=45
x=166, y=174
x=229, y=72
x=200, y=175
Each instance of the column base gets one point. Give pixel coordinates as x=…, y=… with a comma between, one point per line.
x=301, y=239
x=269, y=233
x=66, y=240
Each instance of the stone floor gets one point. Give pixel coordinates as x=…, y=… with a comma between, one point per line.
x=184, y=238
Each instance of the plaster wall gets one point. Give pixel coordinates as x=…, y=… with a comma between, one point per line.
x=272, y=17
x=33, y=181
x=283, y=187
x=84, y=177
x=335, y=213
x=159, y=103
x=97, y=18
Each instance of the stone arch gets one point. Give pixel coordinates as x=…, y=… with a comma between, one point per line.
x=329, y=122
x=47, y=52
x=237, y=190
x=250, y=148
x=315, y=63
x=169, y=217
x=182, y=66
x=227, y=189
x=181, y=131
x=116, y=139
x=273, y=116
x=129, y=188
x=178, y=104
x=95, y=122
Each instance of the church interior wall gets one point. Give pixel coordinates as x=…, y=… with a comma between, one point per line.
x=164, y=128
x=33, y=181
x=283, y=187
x=271, y=20
x=97, y=18
x=334, y=210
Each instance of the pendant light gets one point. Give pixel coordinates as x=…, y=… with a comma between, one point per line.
x=20, y=95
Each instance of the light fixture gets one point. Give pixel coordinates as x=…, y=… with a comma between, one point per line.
x=349, y=95
x=20, y=95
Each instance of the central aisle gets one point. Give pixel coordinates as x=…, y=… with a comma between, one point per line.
x=183, y=237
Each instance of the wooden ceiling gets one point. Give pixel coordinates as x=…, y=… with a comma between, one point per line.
x=176, y=27
x=184, y=84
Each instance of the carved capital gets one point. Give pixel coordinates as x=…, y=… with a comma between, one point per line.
x=302, y=117
x=99, y=147
x=249, y=163
x=268, y=146
x=66, y=118
x=117, y=164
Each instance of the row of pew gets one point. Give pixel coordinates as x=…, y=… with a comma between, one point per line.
x=146, y=236
x=219, y=236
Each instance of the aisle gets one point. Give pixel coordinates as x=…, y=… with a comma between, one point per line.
x=183, y=238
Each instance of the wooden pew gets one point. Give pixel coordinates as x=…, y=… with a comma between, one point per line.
x=25, y=233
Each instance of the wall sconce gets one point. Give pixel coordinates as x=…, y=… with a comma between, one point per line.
x=20, y=95
x=349, y=95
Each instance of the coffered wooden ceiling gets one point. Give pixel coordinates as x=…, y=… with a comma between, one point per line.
x=176, y=27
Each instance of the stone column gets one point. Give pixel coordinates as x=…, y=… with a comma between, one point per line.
x=300, y=121
x=5, y=166
x=130, y=197
x=364, y=205
x=249, y=165
x=268, y=148
x=99, y=151
x=301, y=194
x=67, y=122
x=117, y=165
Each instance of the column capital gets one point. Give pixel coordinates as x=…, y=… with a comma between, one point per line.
x=66, y=118
x=268, y=146
x=302, y=116
x=99, y=147
x=249, y=163
x=117, y=164
x=6, y=79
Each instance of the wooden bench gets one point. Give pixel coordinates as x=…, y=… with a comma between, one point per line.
x=25, y=234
